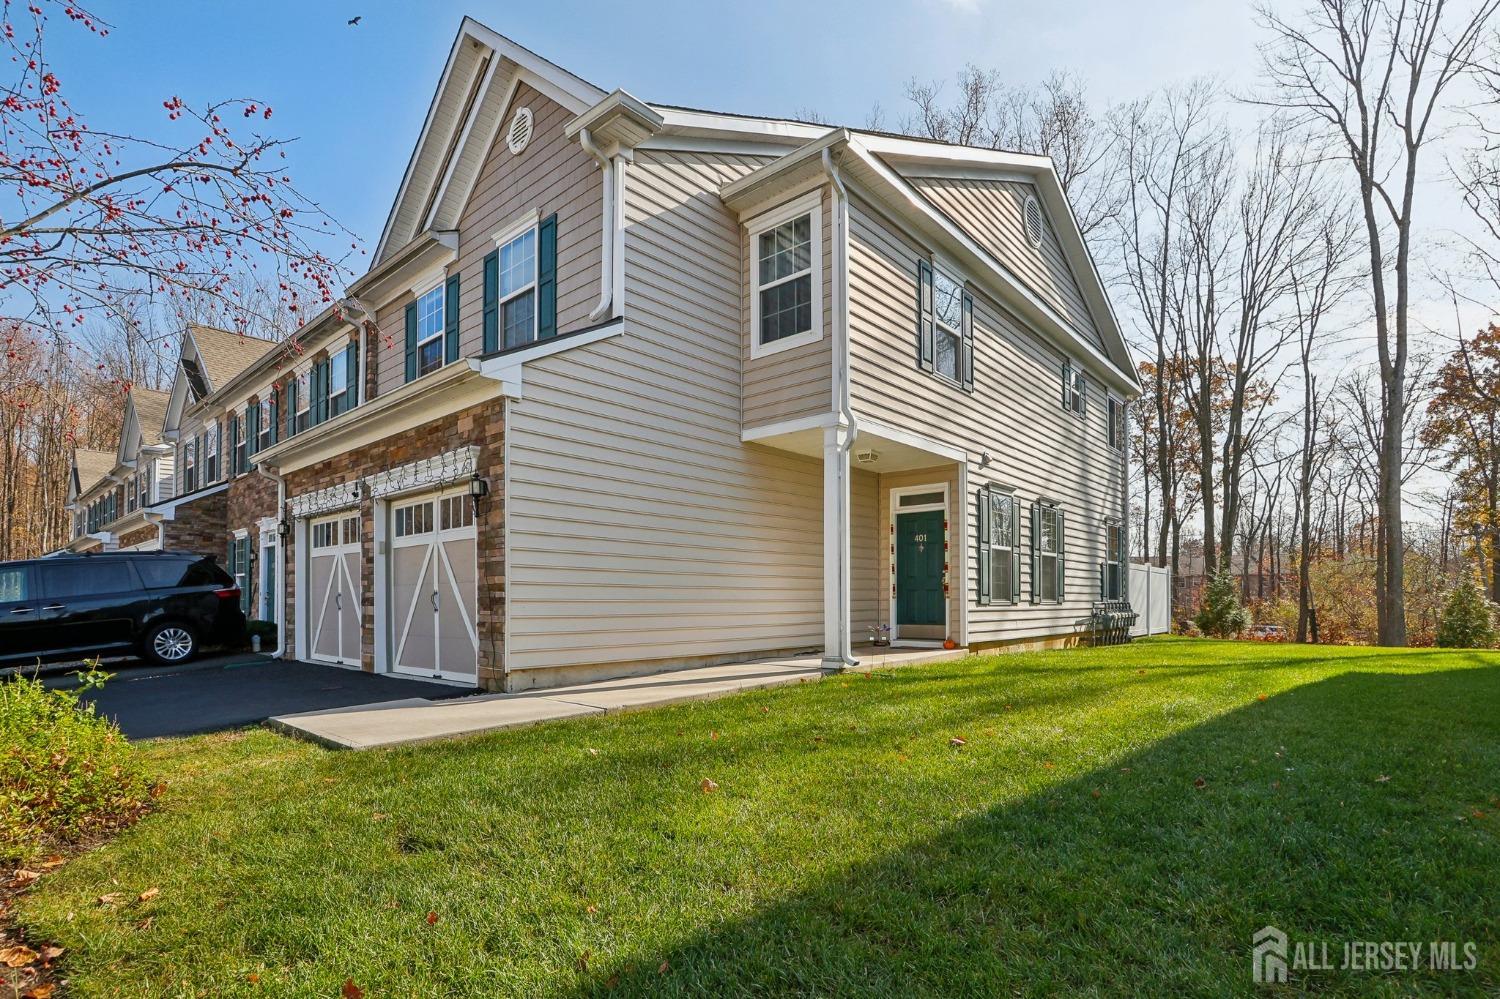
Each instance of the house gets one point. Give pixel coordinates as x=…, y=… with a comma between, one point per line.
x=630, y=387
x=111, y=492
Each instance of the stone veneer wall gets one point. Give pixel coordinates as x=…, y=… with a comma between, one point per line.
x=251, y=497
x=138, y=535
x=198, y=526
x=482, y=425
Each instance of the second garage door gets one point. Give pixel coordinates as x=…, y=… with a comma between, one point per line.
x=434, y=624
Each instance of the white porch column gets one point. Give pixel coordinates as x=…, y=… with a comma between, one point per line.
x=837, y=650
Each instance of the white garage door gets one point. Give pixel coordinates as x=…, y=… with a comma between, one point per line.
x=333, y=597
x=434, y=624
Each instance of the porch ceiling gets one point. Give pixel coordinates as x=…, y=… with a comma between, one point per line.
x=872, y=452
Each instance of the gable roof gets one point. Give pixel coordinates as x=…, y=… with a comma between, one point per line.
x=90, y=466
x=482, y=69
x=150, y=412
x=221, y=354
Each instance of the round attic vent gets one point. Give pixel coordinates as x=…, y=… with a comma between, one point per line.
x=519, y=132
x=1031, y=216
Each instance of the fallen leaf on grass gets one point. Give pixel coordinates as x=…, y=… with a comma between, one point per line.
x=380, y=816
x=51, y=952
x=1199, y=783
x=1383, y=779
x=708, y=786
x=591, y=751
x=111, y=898
x=591, y=909
x=1260, y=697
x=18, y=956
x=958, y=740
x=432, y=919
x=145, y=924
x=1049, y=765
x=612, y=981
x=42, y=991
x=23, y=877
x=253, y=978
x=56, y=860
x=351, y=991
x=665, y=967
x=157, y=790
x=148, y=894
x=1097, y=793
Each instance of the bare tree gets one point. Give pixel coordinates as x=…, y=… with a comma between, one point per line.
x=1376, y=75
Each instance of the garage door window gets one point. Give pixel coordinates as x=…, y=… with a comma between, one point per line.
x=415, y=519
x=457, y=512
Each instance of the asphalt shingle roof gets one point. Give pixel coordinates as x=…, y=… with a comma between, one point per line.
x=226, y=354
x=92, y=466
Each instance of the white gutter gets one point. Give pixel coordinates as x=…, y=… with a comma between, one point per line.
x=607, y=266
x=841, y=399
x=280, y=481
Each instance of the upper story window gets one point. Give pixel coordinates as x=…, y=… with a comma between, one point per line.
x=516, y=270
x=338, y=383
x=211, y=452
x=1116, y=424
x=1075, y=389
x=430, y=331
x=143, y=484
x=786, y=277
x=302, y=398
x=130, y=494
x=190, y=465
x=945, y=326
x=241, y=458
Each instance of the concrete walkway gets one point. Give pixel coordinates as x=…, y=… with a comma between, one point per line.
x=411, y=720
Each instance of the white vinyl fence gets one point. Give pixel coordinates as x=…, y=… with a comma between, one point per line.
x=1151, y=599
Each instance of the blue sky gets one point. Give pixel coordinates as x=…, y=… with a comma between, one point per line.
x=354, y=97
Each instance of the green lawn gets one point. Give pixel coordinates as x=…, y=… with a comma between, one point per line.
x=1119, y=821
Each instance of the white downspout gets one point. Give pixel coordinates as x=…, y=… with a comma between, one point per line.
x=607, y=223
x=280, y=481
x=841, y=395
x=368, y=317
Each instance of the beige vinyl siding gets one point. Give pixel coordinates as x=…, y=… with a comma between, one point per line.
x=798, y=382
x=991, y=212
x=867, y=543
x=550, y=175
x=640, y=528
x=1014, y=416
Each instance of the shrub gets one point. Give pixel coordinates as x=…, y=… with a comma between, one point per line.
x=1221, y=615
x=1467, y=621
x=65, y=773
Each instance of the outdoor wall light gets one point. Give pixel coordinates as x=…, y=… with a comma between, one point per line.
x=283, y=529
x=478, y=488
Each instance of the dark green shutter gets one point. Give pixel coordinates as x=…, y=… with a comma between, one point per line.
x=985, y=569
x=924, y=315
x=1036, y=549
x=1083, y=395
x=351, y=376
x=966, y=345
x=233, y=465
x=1015, y=552
x=546, y=278
x=411, y=341
x=320, y=391
x=492, y=302
x=1062, y=575
x=290, y=405
x=275, y=427
x=252, y=432
x=450, y=321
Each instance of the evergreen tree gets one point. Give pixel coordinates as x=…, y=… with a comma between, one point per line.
x=1221, y=614
x=1467, y=621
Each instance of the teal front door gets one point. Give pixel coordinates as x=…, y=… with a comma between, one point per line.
x=919, y=569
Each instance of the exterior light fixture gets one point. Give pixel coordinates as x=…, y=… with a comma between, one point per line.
x=283, y=529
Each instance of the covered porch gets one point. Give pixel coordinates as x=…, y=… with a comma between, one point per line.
x=894, y=549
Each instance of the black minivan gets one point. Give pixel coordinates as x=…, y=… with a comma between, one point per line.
x=164, y=606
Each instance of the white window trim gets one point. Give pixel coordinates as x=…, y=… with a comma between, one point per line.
x=939, y=266
x=1111, y=401
x=1077, y=401
x=303, y=381
x=1056, y=554
x=809, y=204
x=528, y=222
x=441, y=287
x=894, y=502
x=338, y=360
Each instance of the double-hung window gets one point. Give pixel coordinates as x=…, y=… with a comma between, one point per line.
x=516, y=270
x=1047, y=566
x=1116, y=424
x=1075, y=389
x=190, y=465
x=303, y=393
x=211, y=452
x=338, y=384
x=430, y=331
x=241, y=458
x=265, y=427
x=999, y=576
x=786, y=278
x=1112, y=572
x=947, y=314
x=945, y=326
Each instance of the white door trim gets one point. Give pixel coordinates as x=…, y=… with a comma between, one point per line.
x=307, y=642
x=895, y=493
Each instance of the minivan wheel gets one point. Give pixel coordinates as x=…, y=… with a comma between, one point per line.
x=170, y=643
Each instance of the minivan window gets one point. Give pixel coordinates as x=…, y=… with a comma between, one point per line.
x=13, y=585
x=204, y=572
x=85, y=579
x=162, y=573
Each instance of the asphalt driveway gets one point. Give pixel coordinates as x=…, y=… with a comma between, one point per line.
x=236, y=690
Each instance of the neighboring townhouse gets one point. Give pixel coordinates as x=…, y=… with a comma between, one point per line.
x=221, y=408
x=641, y=386
x=111, y=500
